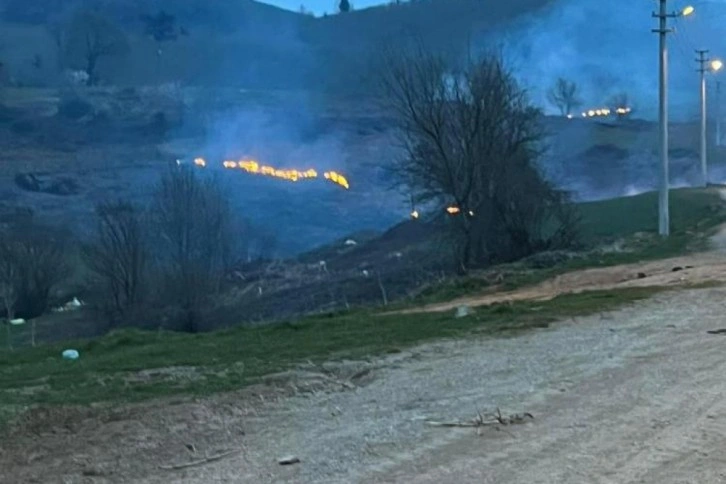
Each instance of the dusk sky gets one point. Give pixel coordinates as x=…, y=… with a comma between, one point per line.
x=320, y=6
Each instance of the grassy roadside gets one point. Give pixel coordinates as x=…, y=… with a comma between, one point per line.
x=117, y=367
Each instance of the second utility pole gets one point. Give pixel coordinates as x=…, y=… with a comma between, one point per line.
x=702, y=68
x=662, y=31
x=718, y=113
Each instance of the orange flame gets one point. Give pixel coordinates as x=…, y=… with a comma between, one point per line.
x=337, y=178
x=453, y=210
x=253, y=167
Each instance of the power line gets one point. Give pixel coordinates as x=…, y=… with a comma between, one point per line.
x=682, y=41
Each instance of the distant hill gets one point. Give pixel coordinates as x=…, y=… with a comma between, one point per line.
x=256, y=45
x=225, y=15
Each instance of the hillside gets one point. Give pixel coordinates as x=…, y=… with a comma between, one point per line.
x=119, y=148
x=250, y=44
x=255, y=46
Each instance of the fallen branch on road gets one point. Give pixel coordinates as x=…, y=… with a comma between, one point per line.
x=199, y=462
x=480, y=421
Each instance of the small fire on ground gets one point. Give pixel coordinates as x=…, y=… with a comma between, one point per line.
x=604, y=112
x=255, y=168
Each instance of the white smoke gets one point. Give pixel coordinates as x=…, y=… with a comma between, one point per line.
x=608, y=47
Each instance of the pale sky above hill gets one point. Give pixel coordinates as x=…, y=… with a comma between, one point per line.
x=321, y=6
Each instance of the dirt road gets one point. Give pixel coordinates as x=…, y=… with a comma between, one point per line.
x=692, y=269
x=632, y=396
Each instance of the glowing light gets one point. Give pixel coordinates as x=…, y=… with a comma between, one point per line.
x=337, y=178
x=599, y=112
x=688, y=11
x=255, y=168
x=415, y=215
x=453, y=210
x=716, y=65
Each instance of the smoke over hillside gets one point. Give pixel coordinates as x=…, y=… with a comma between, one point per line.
x=608, y=47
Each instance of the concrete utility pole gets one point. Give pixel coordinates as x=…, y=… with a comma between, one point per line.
x=702, y=68
x=718, y=113
x=705, y=65
x=662, y=31
x=662, y=15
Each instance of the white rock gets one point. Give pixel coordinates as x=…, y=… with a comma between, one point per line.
x=462, y=311
x=70, y=355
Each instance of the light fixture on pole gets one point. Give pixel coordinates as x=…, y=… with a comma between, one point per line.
x=662, y=15
x=705, y=65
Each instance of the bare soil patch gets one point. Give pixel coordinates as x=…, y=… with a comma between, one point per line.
x=688, y=270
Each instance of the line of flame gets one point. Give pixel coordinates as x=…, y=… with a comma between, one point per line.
x=253, y=167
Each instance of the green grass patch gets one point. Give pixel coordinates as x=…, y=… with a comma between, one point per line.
x=690, y=210
x=130, y=365
x=632, y=221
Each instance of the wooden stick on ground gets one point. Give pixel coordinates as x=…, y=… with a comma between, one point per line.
x=480, y=421
x=199, y=462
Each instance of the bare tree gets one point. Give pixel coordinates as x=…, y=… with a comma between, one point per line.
x=9, y=281
x=197, y=237
x=162, y=28
x=118, y=257
x=472, y=141
x=34, y=262
x=56, y=27
x=91, y=37
x=563, y=95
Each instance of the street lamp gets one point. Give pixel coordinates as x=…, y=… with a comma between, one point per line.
x=687, y=11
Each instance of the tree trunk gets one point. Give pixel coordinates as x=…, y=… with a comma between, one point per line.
x=91, y=61
x=384, y=295
x=465, y=256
